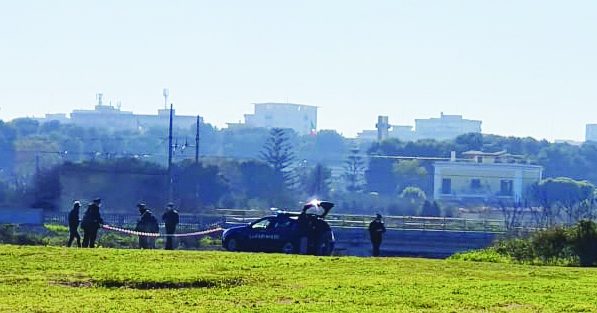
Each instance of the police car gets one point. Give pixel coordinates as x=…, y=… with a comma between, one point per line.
x=287, y=232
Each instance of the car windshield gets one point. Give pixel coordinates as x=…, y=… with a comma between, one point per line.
x=262, y=224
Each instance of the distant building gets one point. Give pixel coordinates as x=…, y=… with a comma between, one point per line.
x=383, y=127
x=302, y=118
x=569, y=142
x=591, y=132
x=367, y=135
x=402, y=132
x=112, y=118
x=445, y=127
x=485, y=176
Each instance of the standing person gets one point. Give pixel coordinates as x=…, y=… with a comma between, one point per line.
x=376, y=230
x=171, y=219
x=73, y=224
x=147, y=223
x=92, y=221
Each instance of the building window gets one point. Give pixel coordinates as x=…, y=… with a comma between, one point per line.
x=446, y=186
x=479, y=159
x=506, y=187
x=475, y=183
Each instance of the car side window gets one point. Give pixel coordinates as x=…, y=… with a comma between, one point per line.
x=285, y=223
x=261, y=224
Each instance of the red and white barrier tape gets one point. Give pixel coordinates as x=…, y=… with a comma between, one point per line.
x=139, y=233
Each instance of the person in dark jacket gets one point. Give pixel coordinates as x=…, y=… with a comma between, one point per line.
x=73, y=224
x=171, y=219
x=147, y=223
x=376, y=230
x=91, y=222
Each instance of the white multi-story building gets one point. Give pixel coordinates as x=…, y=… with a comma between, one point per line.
x=591, y=132
x=112, y=118
x=497, y=176
x=445, y=127
x=302, y=118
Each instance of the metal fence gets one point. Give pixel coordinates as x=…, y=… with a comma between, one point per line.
x=188, y=222
x=391, y=222
x=230, y=216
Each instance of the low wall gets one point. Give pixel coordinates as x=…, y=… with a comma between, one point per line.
x=21, y=216
x=423, y=243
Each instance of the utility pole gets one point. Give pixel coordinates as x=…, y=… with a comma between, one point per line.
x=170, y=187
x=197, y=141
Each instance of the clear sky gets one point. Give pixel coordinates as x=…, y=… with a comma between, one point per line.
x=525, y=68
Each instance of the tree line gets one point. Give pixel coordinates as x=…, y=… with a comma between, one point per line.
x=261, y=168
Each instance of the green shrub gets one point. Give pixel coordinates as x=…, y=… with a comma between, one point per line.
x=117, y=240
x=485, y=255
x=519, y=249
x=551, y=245
x=57, y=229
x=10, y=234
x=584, y=242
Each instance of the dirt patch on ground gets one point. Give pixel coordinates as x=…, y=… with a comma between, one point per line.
x=147, y=285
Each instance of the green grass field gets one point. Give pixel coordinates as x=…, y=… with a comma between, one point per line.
x=53, y=279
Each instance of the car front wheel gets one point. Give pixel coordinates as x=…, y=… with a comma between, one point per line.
x=232, y=245
x=288, y=248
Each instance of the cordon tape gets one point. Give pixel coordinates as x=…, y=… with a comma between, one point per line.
x=139, y=233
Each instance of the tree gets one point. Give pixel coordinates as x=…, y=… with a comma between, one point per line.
x=329, y=146
x=258, y=180
x=430, y=209
x=317, y=183
x=47, y=189
x=512, y=212
x=470, y=141
x=562, y=193
x=277, y=153
x=410, y=173
x=198, y=185
x=413, y=194
x=354, y=167
x=7, y=149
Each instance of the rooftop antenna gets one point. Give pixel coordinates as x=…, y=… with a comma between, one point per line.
x=166, y=93
x=99, y=98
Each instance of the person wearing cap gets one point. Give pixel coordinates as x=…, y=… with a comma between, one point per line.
x=376, y=230
x=147, y=223
x=171, y=219
x=73, y=224
x=91, y=222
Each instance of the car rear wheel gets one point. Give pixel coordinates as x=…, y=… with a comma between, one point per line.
x=288, y=248
x=326, y=245
x=232, y=245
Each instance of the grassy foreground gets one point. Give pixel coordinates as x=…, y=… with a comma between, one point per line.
x=53, y=279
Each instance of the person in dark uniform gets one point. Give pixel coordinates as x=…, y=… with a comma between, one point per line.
x=376, y=230
x=171, y=219
x=91, y=222
x=73, y=224
x=147, y=223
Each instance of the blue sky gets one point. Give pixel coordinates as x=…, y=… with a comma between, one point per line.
x=525, y=68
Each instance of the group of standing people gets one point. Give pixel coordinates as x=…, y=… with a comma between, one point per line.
x=92, y=221
x=147, y=223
